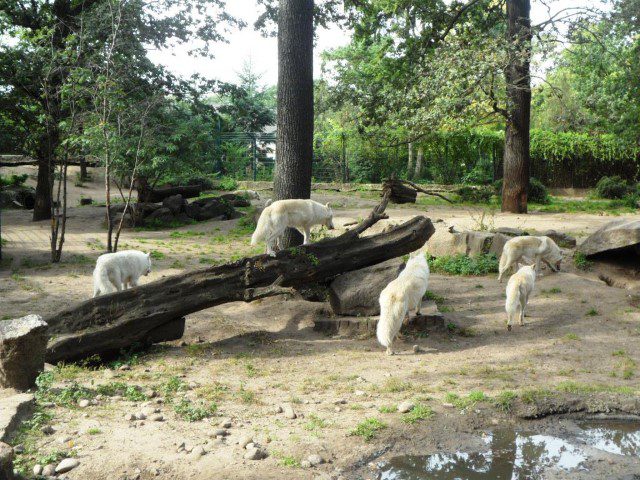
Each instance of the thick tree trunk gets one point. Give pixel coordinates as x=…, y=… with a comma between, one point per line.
x=42, y=206
x=294, y=147
x=84, y=175
x=516, y=148
x=410, y=161
x=419, y=159
x=114, y=321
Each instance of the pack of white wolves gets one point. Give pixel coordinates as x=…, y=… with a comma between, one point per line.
x=402, y=296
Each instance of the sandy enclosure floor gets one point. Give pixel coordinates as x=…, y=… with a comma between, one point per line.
x=580, y=335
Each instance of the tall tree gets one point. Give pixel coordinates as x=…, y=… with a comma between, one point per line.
x=518, y=78
x=294, y=149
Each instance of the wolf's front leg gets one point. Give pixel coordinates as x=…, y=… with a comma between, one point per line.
x=307, y=236
x=389, y=350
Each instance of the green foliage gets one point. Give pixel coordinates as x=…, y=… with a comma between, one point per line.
x=192, y=412
x=504, y=400
x=475, y=194
x=612, y=187
x=460, y=264
x=581, y=262
x=417, y=413
x=368, y=429
x=226, y=184
x=13, y=180
x=537, y=192
x=132, y=393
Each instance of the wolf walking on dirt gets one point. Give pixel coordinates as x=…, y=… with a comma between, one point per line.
x=297, y=213
x=519, y=288
x=119, y=270
x=400, y=297
x=531, y=248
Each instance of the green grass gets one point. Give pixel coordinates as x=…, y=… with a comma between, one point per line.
x=464, y=402
x=94, y=431
x=192, y=412
x=462, y=265
x=132, y=393
x=437, y=299
x=186, y=234
x=554, y=290
x=388, y=409
x=368, y=429
x=418, y=413
x=572, y=337
x=315, y=423
x=291, y=462
x=592, y=312
x=581, y=262
x=156, y=255
x=504, y=400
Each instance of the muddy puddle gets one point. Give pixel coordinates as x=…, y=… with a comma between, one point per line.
x=520, y=455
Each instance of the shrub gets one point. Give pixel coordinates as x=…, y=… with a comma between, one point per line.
x=13, y=180
x=538, y=193
x=203, y=182
x=475, y=194
x=226, y=184
x=462, y=265
x=613, y=187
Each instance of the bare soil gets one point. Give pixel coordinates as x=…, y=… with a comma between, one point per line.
x=581, y=336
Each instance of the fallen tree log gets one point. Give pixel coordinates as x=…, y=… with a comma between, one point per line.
x=118, y=320
x=157, y=195
x=23, y=160
x=398, y=192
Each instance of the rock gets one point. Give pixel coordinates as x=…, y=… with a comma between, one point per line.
x=6, y=461
x=141, y=416
x=64, y=440
x=357, y=293
x=511, y=232
x=277, y=409
x=416, y=349
x=305, y=464
x=108, y=373
x=49, y=470
x=469, y=243
x=209, y=208
x=562, y=239
x=124, y=367
x=156, y=418
x=245, y=440
x=289, y=412
x=614, y=235
x=360, y=393
x=175, y=203
x=18, y=449
x=48, y=430
x=199, y=451
x=129, y=417
x=226, y=423
x=84, y=403
x=127, y=220
x=250, y=194
x=160, y=216
x=86, y=201
x=67, y=465
x=220, y=432
x=37, y=469
x=14, y=409
x=250, y=445
x=406, y=406
x=23, y=343
x=315, y=459
x=236, y=200
x=150, y=393
x=255, y=453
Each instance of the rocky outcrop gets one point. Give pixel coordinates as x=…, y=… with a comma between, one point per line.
x=615, y=235
x=22, y=348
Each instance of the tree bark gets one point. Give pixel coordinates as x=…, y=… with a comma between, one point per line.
x=42, y=206
x=114, y=321
x=419, y=158
x=516, y=149
x=294, y=146
x=410, y=161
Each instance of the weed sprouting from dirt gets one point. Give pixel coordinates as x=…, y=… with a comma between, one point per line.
x=368, y=429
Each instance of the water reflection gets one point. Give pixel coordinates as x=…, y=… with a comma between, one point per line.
x=619, y=437
x=511, y=456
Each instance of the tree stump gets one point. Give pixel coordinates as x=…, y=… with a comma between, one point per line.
x=398, y=192
x=23, y=343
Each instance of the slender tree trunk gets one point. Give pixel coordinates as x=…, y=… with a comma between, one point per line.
x=295, y=105
x=410, y=161
x=84, y=175
x=419, y=158
x=516, y=147
x=42, y=207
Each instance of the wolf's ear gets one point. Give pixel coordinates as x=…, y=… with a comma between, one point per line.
x=520, y=265
x=328, y=205
x=533, y=265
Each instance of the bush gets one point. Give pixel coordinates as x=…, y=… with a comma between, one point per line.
x=13, y=180
x=203, y=182
x=462, y=265
x=538, y=193
x=612, y=187
x=226, y=184
x=475, y=194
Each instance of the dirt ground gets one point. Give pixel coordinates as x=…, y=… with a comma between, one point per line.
x=581, y=336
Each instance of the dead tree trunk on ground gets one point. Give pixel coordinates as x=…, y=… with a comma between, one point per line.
x=111, y=322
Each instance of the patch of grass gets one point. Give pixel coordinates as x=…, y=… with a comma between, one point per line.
x=388, y=409
x=132, y=393
x=78, y=259
x=315, y=423
x=192, y=412
x=581, y=262
x=246, y=396
x=395, y=385
x=251, y=370
x=463, y=265
x=419, y=412
x=173, y=386
x=504, y=400
x=94, y=431
x=553, y=290
x=563, y=205
x=197, y=349
x=157, y=224
x=177, y=264
x=534, y=394
x=186, y=234
x=471, y=399
x=291, y=462
x=156, y=255
x=438, y=299
x=619, y=353
x=592, y=312
x=572, y=337
x=368, y=429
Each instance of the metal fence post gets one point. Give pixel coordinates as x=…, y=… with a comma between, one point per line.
x=345, y=169
x=254, y=151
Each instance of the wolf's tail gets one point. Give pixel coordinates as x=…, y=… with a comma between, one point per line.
x=392, y=312
x=262, y=228
x=101, y=282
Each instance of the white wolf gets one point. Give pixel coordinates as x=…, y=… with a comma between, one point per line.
x=400, y=297
x=120, y=270
x=283, y=214
x=530, y=247
x=519, y=287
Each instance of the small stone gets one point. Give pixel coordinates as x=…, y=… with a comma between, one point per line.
x=84, y=403
x=188, y=448
x=49, y=470
x=141, y=416
x=108, y=373
x=67, y=465
x=226, y=423
x=48, y=405
x=64, y=440
x=244, y=441
x=156, y=418
x=277, y=409
x=341, y=401
x=288, y=411
x=448, y=405
x=315, y=459
x=199, y=451
x=255, y=454
x=180, y=447
x=129, y=417
x=116, y=398
x=405, y=407
x=37, y=469
x=220, y=432
x=250, y=445
x=305, y=464
x=359, y=393
x=124, y=368
x=337, y=409
x=416, y=349
x=18, y=449
x=151, y=393
x=48, y=430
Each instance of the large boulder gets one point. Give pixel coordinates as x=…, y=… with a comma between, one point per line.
x=208, y=208
x=562, y=239
x=469, y=243
x=23, y=342
x=357, y=292
x=175, y=203
x=161, y=216
x=614, y=235
x=236, y=200
x=6, y=462
x=17, y=196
